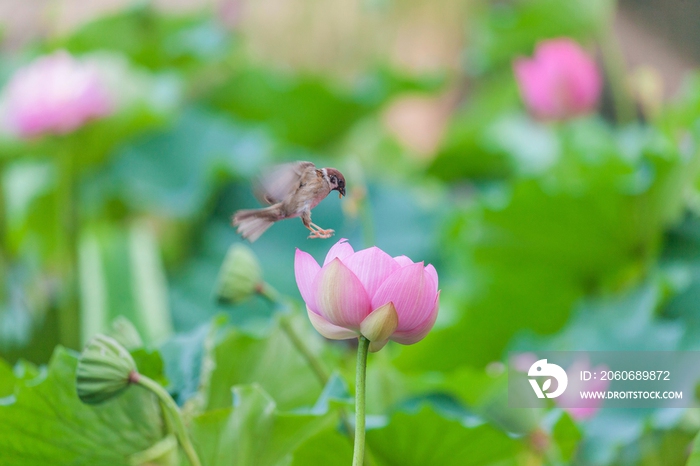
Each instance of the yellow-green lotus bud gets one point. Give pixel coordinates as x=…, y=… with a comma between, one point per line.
x=105, y=369
x=379, y=325
x=240, y=275
x=125, y=333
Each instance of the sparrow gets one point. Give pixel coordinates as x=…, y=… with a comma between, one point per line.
x=292, y=189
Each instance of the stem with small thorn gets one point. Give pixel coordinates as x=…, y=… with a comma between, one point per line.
x=314, y=363
x=171, y=409
x=312, y=360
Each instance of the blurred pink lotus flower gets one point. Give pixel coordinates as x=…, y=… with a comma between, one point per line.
x=55, y=94
x=523, y=361
x=230, y=12
x=561, y=80
x=582, y=408
x=368, y=293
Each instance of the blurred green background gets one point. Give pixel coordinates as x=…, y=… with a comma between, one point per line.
x=580, y=235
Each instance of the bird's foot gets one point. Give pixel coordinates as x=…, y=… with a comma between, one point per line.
x=321, y=233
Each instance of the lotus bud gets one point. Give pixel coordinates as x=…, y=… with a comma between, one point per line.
x=124, y=332
x=368, y=293
x=560, y=81
x=55, y=94
x=240, y=276
x=379, y=325
x=105, y=369
x=581, y=409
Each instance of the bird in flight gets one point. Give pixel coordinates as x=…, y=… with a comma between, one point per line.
x=292, y=190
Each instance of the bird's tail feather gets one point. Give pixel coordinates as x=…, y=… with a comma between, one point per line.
x=253, y=223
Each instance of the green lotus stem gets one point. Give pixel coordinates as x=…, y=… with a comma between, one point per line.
x=360, y=385
x=314, y=363
x=311, y=359
x=268, y=292
x=171, y=409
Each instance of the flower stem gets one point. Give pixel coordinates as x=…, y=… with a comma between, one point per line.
x=311, y=359
x=360, y=384
x=171, y=409
x=297, y=341
x=314, y=363
x=268, y=292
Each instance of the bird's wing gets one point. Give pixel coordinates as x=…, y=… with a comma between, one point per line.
x=280, y=181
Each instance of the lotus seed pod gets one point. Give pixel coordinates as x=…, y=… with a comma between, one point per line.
x=105, y=369
x=240, y=276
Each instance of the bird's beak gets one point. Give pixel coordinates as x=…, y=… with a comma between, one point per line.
x=341, y=193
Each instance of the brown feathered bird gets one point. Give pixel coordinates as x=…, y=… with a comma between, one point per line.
x=293, y=189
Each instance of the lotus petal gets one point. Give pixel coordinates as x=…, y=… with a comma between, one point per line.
x=372, y=266
x=341, y=250
x=305, y=270
x=340, y=296
x=329, y=330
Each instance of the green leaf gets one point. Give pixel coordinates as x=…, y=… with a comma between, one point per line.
x=7, y=379
x=335, y=393
x=146, y=102
x=590, y=325
x=301, y=110
x=682, y=114
x=680, y=262
x=121, y=274
x=567, y=436
x=329, y=448
x=45, y=422
x=386, y=386
x=667, y=446
x=182, y=356
x=27, y=186
x=270, y=361
x=487, y=396
x=151, y=39
x=427, y=438
x=175, y=171
x=150, y=363
x=468, y=149
x=27, y=325
x=527, y=251
x=332, y=445
x=505, y=30
x=253, y=432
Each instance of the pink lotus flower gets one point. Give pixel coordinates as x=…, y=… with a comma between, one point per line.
x=571, y=401
x=55, y=94
x=561, y=81
x=523, y=361
x=368, y=293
